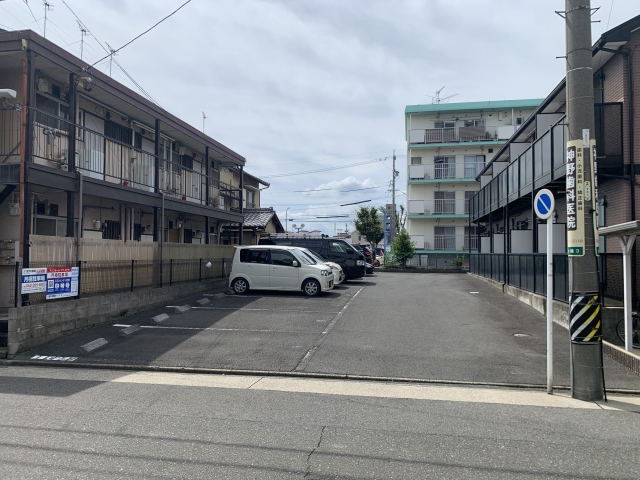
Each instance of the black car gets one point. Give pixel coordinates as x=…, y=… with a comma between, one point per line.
x=368, y=253
x=366, y=250
x=352, y=261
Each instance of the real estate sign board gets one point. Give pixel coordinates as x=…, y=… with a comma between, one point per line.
x=54, y=282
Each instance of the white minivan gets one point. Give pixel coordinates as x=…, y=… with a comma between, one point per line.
x=270, y=267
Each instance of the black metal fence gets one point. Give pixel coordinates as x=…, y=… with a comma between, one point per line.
x=526, y=271
x=102, y=277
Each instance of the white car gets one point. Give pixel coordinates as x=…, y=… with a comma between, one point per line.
x=270, y=267
x=338, y=274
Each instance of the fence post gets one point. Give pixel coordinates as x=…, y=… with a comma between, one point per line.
x=79, y=277
x=170, y=272
x=132, y=268
x=18, y=285
x=200, y=271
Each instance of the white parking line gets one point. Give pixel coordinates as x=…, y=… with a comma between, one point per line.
x=160, y=327
x=262, y=310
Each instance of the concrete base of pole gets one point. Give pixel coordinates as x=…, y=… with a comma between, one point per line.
x=587, y=380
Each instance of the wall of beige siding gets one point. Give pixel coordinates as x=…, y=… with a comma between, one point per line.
x=61, y=249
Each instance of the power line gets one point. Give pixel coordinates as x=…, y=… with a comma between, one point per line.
x=144, y=92
x=34, y=17
x=323, y=169
x=324, y=159
x=146, y=31
x=339, y=191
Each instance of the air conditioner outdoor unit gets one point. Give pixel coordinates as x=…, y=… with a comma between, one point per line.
x=14, y=209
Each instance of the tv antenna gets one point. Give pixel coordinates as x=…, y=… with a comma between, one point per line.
x=47, y=6
x=439, y=99
x=84, y=31
x=204, y=117
x=113, y=52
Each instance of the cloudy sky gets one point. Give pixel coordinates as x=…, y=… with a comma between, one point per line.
x=312, y=85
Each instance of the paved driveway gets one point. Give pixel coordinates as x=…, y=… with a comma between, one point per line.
x=427, y=326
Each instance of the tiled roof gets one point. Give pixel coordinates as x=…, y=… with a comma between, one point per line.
x=259, y=218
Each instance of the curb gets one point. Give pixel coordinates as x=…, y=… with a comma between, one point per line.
x=324, y=376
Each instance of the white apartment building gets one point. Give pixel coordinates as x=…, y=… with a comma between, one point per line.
x=448, y=146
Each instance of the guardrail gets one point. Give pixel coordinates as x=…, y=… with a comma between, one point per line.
x=444, y=171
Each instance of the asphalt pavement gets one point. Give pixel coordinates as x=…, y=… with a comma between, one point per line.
x=435, y=327
x=99, y=424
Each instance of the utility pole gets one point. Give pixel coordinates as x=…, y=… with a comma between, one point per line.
x=393, y=200
x=585, y=326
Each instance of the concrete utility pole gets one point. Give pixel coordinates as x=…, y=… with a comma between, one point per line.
x=393, y=200
x=587, y=376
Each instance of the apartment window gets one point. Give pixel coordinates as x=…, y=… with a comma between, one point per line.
x=519, y=121
x=444, y=124
x=473, y=165
x=119, y=133
x=50, y=107
x=474, y=123
x=467, y=199
x=416, y=160
x=111, y=230
x=445, y=167
x=470, y=238
x=601, y=207
x=445, y=202
x=444, y=238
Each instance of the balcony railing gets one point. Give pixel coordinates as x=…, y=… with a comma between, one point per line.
x=453, y=135
x=444, y=171
x=446, y=242
x=104, y=158
x=458, y=206
x=10, y=126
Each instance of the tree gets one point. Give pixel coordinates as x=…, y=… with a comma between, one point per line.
x=403, y=247
x=401, y=219
x=369, y=224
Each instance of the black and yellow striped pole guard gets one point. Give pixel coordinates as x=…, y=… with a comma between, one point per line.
x=585, y=318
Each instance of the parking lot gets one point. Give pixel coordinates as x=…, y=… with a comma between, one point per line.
x=422, y=326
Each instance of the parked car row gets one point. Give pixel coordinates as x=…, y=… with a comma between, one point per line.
x=310, y=265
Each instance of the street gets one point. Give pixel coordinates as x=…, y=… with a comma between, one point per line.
x=275, y=418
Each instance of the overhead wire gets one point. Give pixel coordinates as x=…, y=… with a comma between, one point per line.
x=34, y=17
x=291, y=174
x=144, y=92
x=146, y=31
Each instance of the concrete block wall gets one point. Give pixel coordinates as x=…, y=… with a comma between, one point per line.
x=36, y=325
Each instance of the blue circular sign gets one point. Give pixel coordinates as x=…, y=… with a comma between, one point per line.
x=544, y=204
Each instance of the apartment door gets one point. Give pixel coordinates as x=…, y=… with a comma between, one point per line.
x=174, y=235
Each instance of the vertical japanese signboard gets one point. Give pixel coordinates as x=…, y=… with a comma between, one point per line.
x=62, y=282
x=594, y=198
x=581, y=195
x=575, y=198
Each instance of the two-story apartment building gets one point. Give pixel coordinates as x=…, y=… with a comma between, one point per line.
x=84, y=157
x=448, y=145
x=512, y=242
